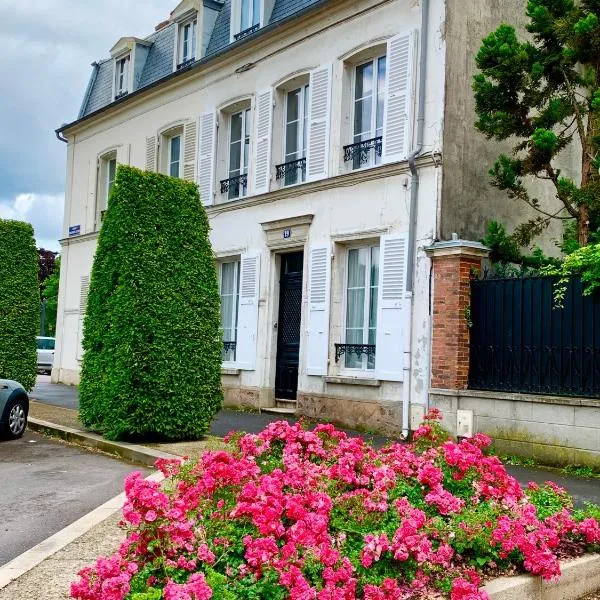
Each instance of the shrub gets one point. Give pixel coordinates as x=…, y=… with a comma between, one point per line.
x=19, y=303
x=314, y=515
x=152, y=339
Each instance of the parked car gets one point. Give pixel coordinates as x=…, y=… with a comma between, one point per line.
x=45, y=353
x=14, y=408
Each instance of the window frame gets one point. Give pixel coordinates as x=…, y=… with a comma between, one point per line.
x=303, y=126
x=374, y=61
x=234, y=323
x=123, y=74
x=245, y=112
x=251, y=15
x=169, y=140
x=192, y=23
x=368, y=245
x=103, y=187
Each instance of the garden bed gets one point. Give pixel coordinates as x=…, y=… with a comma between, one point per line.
x=315, y=515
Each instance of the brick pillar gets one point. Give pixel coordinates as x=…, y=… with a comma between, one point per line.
x=453, y=265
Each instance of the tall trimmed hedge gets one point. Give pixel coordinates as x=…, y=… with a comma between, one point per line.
x=19, y=302
x=152, y=335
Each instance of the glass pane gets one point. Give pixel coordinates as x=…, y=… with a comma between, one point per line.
x=236, y=127
x=245, y=21
x=247, y=126
x=305, y=128
x=373, y=302
x=194, y=39
x=362, y=120
x=355, y=304
x=256, y=12
x=291, y=141
x=381, y=64
x=293, y=100
x=364, y=81
x=186, y=42
x=175, y=154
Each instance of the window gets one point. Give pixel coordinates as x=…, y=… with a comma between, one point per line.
x=122, y=77
x=175, y=156
x=293, y=169
x=249, y=18
x=107, y=170
x=361, y=306
x=369, y=95
x=187, y=43
x=230, y=289
x=239, y=152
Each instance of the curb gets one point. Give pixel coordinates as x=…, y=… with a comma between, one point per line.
x=33, y=557
x=141, y=455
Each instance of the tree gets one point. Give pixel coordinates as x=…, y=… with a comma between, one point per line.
x=50, y=293
x=152, y=336
x=19, y=303
x=47, y=264
x=545, y=93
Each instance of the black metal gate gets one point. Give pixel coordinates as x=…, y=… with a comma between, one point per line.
x=288, y=337
x=520, y=342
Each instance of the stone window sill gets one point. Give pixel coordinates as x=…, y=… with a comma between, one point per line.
x=230, y=371
x=366, y=381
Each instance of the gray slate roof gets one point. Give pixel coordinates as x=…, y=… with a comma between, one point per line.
x=159, y=63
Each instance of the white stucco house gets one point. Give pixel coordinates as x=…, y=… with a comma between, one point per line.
x=315, y=132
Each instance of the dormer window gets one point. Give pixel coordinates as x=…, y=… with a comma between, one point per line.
x=250, y=18
x=188, y=38
x=122, y=76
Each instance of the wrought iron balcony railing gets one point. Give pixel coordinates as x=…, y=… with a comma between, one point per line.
x=229, y=347
x=186, y=63
x=292, y=171
x=242, y=34
x=234, y=185
x=359, y=350
x=360, y=153
x=121, y=95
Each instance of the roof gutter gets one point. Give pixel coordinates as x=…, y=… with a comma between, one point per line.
x=197, y=64
x=413, y=215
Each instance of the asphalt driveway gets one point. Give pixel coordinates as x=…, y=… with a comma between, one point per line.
x=47, y=485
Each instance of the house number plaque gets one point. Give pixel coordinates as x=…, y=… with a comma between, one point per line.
x=287, y=233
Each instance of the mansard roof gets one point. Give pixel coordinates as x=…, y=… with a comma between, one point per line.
x=161, y=46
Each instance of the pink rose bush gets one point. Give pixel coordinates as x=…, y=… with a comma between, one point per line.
x=292, y=514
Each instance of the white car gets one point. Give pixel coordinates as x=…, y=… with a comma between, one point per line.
x=45, y=353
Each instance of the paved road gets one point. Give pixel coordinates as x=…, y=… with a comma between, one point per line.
x=47, y=485
x=581, y=489
x=66, y=396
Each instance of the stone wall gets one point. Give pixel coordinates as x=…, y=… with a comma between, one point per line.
x=553, y=430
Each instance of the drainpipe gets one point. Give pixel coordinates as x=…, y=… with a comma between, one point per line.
x=412, y=227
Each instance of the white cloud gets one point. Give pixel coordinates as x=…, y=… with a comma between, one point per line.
x=46, y=49
x=43, y=211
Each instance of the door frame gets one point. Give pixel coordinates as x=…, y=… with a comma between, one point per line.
x=268, y=392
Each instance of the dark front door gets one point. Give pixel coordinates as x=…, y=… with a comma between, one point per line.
x=288, y=337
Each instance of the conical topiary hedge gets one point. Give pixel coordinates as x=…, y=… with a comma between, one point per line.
x=152, y=336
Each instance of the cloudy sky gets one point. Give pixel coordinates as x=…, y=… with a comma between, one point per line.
x=47, y=47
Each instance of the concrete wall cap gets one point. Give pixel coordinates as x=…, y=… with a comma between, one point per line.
x=458, y=247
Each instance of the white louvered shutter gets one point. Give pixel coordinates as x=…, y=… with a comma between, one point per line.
x=392, y=311
x=262, y=157
x=123, y=154
x=206, y=160
x=190, y=131
x=399, y=100
x=319, y=116
x=318, y=310
x=245, y=357
x=151, y=153
x=83, y=296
